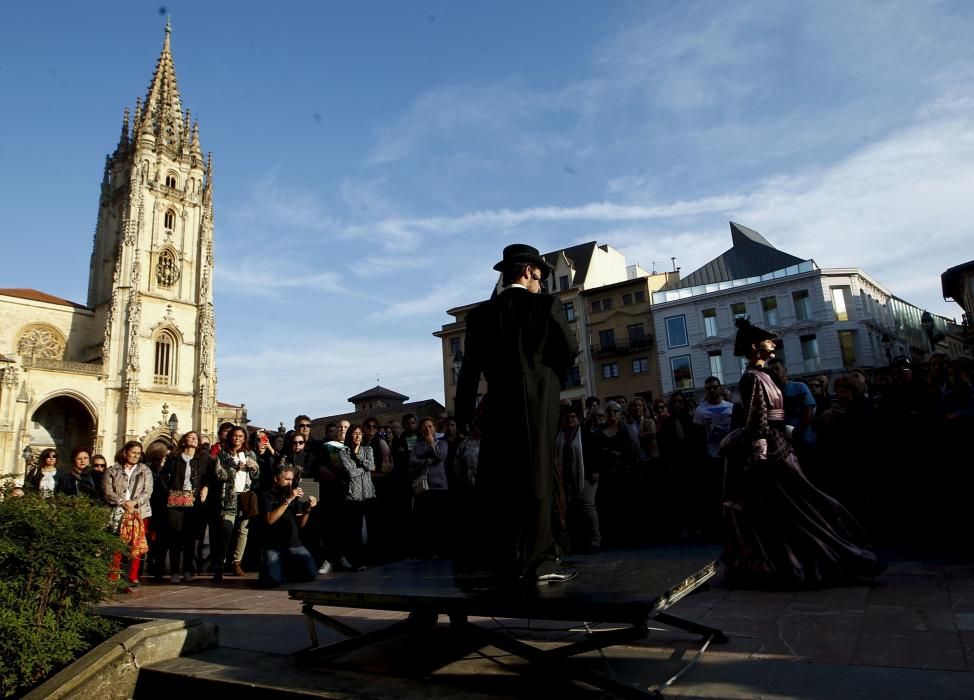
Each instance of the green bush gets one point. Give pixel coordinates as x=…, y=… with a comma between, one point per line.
x=55, y=557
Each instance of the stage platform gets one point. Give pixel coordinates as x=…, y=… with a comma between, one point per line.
x=625, y=589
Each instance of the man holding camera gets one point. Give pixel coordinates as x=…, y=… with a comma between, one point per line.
x=283, y=512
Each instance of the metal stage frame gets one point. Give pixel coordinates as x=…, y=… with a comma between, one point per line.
x=630, y=589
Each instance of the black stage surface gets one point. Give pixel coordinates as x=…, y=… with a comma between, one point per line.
x=628, y=588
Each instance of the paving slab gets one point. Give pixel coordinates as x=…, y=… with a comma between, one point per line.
x=908, y=634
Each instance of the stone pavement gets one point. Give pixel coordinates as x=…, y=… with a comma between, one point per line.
x=909, y=634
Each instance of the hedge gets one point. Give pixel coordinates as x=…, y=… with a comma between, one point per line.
x=55, y=556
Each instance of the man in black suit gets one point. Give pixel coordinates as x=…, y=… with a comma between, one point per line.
x=520, y=342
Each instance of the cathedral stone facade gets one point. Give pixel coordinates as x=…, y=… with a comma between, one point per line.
x=142, y=348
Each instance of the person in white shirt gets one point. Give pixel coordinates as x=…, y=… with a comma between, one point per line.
x=713, y=419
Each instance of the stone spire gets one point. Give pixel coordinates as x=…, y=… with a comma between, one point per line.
x=123, y=139
x=208, y=186
x=194, y=145
x=162, y=112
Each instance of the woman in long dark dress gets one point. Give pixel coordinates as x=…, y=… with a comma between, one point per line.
x=783, y=532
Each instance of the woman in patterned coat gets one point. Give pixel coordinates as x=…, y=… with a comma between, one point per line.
x=783, y=532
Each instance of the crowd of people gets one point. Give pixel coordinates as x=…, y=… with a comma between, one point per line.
x=888, y=444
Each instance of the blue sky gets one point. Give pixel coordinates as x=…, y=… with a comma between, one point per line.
x=372, y=159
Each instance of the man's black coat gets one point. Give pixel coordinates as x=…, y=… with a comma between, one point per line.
x=522, y=345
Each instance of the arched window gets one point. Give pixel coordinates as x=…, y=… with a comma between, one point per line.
x=171, y=180
x=167, y=270
x=170, y=220
x=164, y=367
x=42, y=342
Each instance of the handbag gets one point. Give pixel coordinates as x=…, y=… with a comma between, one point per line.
x=421, y=484
x=180, y=499
x=115, y=519
x=248, y=504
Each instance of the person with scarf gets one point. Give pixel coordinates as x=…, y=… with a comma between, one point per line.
x=128, y=488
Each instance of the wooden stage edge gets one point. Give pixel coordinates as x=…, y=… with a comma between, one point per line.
x=629, y=588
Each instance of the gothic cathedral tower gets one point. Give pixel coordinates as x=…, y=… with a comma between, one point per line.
x=151, y=277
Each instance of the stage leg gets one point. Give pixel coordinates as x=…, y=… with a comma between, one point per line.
x=356, y=640
x=712, y=633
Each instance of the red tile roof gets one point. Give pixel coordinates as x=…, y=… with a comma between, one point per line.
x=34, y=295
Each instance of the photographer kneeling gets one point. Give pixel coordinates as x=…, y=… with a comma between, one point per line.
x=283, y=512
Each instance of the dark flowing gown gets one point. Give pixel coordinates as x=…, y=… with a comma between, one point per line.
x=783, y=532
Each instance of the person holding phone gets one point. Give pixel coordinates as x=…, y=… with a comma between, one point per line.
x=284, y=510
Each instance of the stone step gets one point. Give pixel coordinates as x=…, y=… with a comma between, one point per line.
x=243, y=675
x=246, y=675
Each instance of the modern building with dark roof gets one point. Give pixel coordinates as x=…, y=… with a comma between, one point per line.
x=751, y=255
x=829, y=320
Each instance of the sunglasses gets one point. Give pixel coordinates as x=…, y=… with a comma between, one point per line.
x=51, y=457
x=99, y=464
x=297, y=442
x=304, y=425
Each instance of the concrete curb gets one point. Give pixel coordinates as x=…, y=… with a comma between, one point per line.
x=111, y=669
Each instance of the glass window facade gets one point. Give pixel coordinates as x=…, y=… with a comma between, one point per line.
x=681, y=372
x=716, y=364
x=841, y=302
x=676, y=331
x=803, y=307
x=810, y=355
x=769, y=307
x=847, y=346
x=710, y=322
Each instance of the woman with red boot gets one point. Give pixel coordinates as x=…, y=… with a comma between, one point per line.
x=128, y=486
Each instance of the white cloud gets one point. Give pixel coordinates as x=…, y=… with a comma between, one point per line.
x=899, y=209
x=272, y=205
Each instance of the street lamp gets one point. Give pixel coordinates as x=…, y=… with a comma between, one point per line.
x=28, y=456
x=173, y=426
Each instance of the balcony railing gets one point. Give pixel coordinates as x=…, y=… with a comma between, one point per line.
x=623, y=346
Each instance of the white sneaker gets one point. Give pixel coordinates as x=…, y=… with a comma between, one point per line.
x=176, y=578
x=325, y=567
x=188, y=577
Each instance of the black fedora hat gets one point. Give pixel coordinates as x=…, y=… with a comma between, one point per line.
x=520, y=253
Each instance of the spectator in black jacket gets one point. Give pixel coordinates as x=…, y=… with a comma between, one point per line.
x=78, y=481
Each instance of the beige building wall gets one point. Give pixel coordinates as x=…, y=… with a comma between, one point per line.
x=143, y=347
